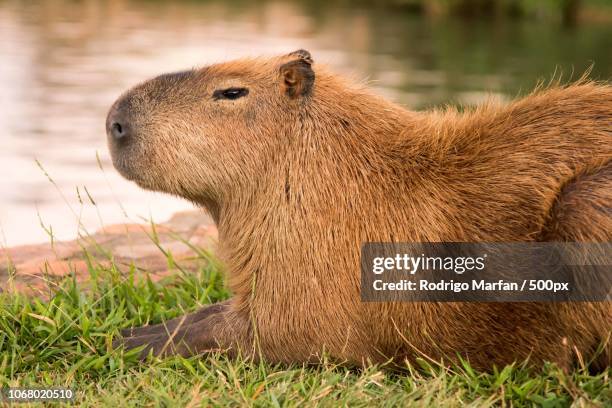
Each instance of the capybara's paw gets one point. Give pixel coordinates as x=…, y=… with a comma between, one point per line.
x=186, y=335
x=130, y=331
x=159, y=346
x=170, y=326
x=158, y=329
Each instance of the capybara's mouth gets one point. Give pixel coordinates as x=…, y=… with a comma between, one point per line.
x=127, y=159
x=136, y=165
x=124, y=166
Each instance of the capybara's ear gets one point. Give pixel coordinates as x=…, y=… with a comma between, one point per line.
x=297, y=74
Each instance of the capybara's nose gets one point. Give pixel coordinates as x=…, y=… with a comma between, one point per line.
x=117, y=126
x=118, y=130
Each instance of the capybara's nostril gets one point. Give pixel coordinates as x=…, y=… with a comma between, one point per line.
x=118, y=131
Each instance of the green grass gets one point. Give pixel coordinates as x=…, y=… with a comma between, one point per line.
x=66, y=341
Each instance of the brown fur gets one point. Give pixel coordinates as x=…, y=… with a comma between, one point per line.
x=306, y=167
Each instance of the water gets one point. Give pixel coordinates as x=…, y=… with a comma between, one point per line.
x=62, y=63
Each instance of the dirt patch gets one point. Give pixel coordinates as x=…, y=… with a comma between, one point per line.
x=36, y=268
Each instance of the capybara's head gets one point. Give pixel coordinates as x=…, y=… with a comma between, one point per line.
x=197, y=133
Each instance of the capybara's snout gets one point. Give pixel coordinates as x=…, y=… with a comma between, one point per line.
x=135, y=122
x=121, y=134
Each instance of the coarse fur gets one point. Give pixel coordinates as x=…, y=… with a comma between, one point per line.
x=308, y=166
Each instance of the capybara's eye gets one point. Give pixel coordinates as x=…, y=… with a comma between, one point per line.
x=230, y=93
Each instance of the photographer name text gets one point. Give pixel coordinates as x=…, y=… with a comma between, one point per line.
x=533, y=285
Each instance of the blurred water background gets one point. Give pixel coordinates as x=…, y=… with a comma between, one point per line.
x=62, y=63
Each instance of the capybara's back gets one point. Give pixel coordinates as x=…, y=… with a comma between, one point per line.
x=299, y=167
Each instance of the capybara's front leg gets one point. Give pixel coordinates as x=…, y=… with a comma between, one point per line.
x=220, y=330
x=172, y=325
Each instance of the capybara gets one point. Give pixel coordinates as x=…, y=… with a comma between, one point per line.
x=299, y=167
